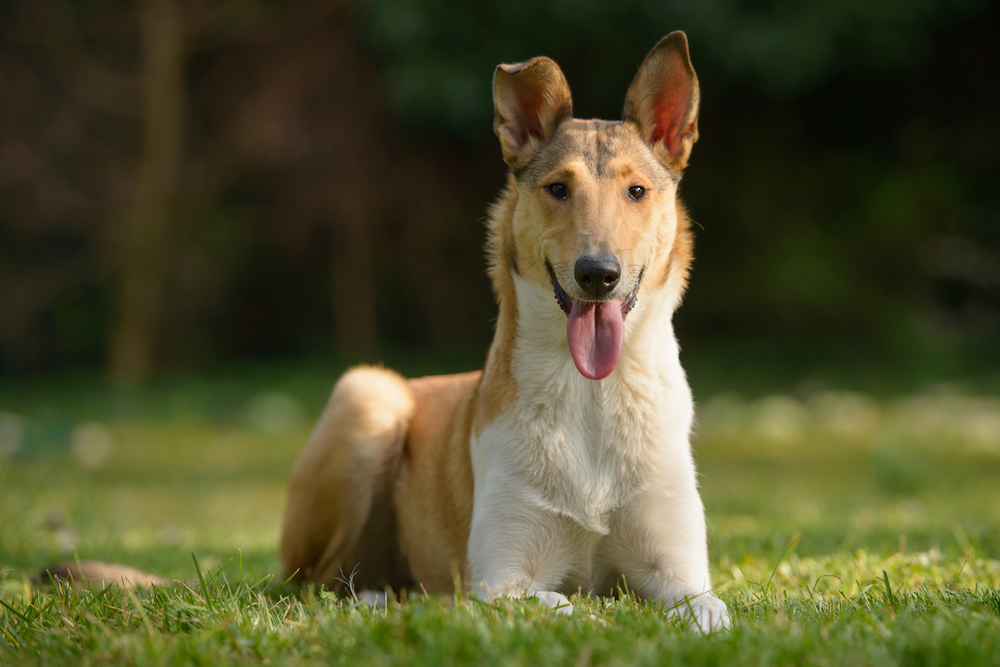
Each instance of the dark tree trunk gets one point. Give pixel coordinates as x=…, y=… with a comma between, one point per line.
x=145, y=238
x=352, y=287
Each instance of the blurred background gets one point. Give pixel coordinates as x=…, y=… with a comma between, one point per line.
x=185, y=183
x=209, y=208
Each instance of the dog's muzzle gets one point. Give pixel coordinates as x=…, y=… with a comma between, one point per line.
x=595, y=329
x=565, y=301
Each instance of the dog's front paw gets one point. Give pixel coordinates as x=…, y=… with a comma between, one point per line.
x=557, y=601
x=706, y=613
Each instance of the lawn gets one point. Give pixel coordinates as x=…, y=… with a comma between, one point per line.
x=856, y=527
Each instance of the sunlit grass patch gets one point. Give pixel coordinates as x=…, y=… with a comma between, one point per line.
x=224, y=621
x=843, y=528
x=849, y=574
x=940, y=419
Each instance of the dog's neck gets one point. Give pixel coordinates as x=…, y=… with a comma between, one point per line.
x=530, y=345
x=579, y=436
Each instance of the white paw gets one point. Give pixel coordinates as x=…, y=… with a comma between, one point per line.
x=704, y=612
x=374, y=599
x=557, y=601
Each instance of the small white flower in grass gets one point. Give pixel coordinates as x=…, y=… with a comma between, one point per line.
x=559, y=603
x=92, y=445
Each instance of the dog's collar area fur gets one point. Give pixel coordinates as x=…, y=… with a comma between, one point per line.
x=565, y=300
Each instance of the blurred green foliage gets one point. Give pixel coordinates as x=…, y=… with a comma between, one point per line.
x=843, y=144
x=845, y=188
x=436, y=51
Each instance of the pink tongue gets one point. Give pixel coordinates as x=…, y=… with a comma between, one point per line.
x=595, y=332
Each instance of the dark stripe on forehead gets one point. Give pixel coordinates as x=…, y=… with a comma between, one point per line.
x=603, y=142
x=596, y=142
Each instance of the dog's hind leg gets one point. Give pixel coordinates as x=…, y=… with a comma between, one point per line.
x=339, y=524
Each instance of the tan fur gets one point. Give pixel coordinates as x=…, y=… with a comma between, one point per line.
x=343, y=474
x=528, y=475
x=434, y=486
x=98, y=575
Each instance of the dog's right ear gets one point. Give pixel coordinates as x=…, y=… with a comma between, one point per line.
x=530, y=100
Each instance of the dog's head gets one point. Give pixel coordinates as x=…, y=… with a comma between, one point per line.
x=597, y=216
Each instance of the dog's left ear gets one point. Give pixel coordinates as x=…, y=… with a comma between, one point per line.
x=530, y=100
x=663, y=101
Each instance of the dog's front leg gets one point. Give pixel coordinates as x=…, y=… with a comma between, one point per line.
x=519, y=550
x=657, y=542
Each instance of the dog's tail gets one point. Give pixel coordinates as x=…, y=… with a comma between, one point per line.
x=99, y=575
x=338, y=491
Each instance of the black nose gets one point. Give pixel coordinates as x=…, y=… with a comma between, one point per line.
x=597, y=276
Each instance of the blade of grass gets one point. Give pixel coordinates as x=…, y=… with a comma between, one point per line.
x=14, y=611
x=888, y=592
x=792, y=543
x=204, y=586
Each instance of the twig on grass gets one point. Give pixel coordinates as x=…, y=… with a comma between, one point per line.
x=962, y=569
x=823, y=576
x=348, y=581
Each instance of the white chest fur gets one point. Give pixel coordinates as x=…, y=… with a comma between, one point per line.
x=582, y=448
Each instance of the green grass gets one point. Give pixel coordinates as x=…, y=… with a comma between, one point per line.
x=845, y=529
x=239, y=624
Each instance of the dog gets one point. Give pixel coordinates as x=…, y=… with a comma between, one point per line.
x=563, y=466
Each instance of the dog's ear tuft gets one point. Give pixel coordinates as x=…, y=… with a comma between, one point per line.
x=663, y=101
x=530, y=100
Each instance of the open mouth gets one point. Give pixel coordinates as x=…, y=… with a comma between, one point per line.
x=595, y=330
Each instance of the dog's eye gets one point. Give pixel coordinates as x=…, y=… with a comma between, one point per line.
x=558, y=190
x=636, y=192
